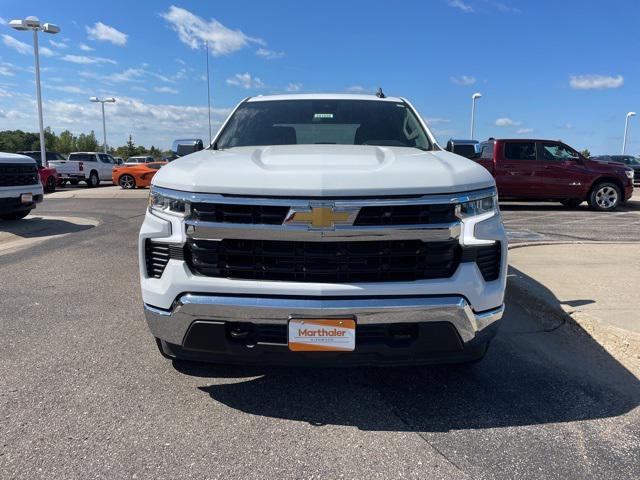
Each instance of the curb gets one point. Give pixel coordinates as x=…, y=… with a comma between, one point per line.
x=542, y=305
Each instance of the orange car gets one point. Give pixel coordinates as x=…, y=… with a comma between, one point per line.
x=135, y=176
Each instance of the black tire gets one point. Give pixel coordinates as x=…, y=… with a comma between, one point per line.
x=15, y=215
x=51, y=184
x=127, y=182
x=605, y=196
x=571, y=203
x=93, y=180
x=74, y=182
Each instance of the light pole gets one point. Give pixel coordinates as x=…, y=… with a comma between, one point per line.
x=104, y=124
x=33, y=24
x=626, y=127
x=474, y=97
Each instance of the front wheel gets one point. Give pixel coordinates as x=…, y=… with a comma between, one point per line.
x=93, y=180
x=127, y=182
x=15, y=215
x=50, y=186
x=605, y=196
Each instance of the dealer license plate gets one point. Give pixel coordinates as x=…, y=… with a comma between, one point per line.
x=322, y=335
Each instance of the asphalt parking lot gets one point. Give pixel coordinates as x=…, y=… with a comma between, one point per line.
x=85, y=394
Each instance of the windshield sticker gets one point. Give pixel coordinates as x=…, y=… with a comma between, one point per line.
x=323, y=115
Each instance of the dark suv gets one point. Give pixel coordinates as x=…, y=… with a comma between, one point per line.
x=551, y=170
x=628, y=160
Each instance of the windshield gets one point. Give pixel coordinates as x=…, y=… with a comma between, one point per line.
x=305, y=122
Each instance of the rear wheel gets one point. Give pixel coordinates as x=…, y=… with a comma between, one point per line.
x=127, y=182
x=15, y=215
x=50, y=186
x=605, y=196
x=571, y=203
x=93, y=180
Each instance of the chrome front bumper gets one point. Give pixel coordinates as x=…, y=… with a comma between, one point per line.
x=172, y=325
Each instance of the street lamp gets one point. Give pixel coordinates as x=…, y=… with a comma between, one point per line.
x=33, y=24
x=104, y=125
x=474, y=97
x=626, y=126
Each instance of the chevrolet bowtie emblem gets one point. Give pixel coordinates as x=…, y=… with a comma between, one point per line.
x=318, y=217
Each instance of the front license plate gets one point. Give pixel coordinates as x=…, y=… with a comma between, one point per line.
x=322, y=335
x=26, y=198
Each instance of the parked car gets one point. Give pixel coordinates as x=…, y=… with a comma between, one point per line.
x=139, y=159
x=20, y=186
x=48, y=175
x=326, y=229
x=466, y=148
x=119, y=160
x=550, y=170
x=135, y=176
x=90, y=167
x=628, y=160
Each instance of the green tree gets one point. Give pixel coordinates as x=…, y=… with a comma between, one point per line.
x=585, y=153
x=87, y=143
x=66, y=142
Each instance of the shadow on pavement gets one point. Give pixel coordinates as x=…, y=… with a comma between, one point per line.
x=534, y=206
x=524, y=380
x=36, y=227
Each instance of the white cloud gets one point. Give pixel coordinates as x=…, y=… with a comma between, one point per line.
x=3, y=21
x=129, y=75
x=595, y=82
x=69, y=89
x=507, y=122
x=293, y=87
x=463, y=80
x=7, y=69
x=105, y=33
x=269, y=54
x=85, y=48
x=12, y=114
x=460, y=5
x=81, y=59
x=17, y=45
x=524, y=130
x=170, y=90
x=245, y=80
x=437, y=120
x=194, y=31
x=61, y=45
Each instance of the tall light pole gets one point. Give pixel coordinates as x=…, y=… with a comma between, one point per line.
x=626, y=127
x=474, y=97
x=33, y=24
x=104, y=124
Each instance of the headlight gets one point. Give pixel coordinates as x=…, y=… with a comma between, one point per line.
x=477, y=207
x=629, y=174
x=163, y=203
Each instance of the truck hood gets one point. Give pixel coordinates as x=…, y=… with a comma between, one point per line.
x=15, y=158
x=323, y=170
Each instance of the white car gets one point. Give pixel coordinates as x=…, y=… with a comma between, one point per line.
x=90, y=167
x=20, y=187
x=139, y=159
x=323, y=229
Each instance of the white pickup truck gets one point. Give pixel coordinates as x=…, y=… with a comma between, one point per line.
x=89, y=167
x=323, y=229
x=20, y=187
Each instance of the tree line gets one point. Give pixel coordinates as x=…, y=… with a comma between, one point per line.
x=12, y=141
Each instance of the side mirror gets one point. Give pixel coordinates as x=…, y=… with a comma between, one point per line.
x=180, y=148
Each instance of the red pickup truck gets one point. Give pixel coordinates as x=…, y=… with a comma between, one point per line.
x=551, y=170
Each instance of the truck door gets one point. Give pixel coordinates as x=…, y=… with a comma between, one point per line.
x=563, y=170
x=105, y=166
x=518, y=170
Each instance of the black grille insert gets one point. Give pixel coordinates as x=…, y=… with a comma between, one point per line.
x=406, y=215
x=16, y=174
x=332, y=262
x=157, y=256
x=487, y=257
x=248, y=214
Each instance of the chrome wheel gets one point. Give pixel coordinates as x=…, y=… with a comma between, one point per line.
x=127, y=182
x=606, y=197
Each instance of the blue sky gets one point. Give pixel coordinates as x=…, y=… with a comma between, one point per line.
x=545, y=68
